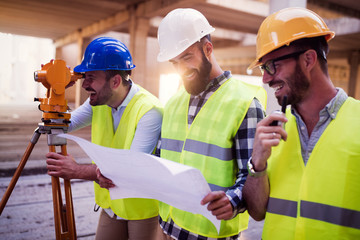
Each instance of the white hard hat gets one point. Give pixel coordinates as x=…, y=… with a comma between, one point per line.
x=180, y=29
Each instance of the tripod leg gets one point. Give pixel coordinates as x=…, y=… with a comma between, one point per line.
x=69, y=203
x=63, y=217
x=19, y=169
x=57, y=201
x=57, y=205
x=69, y=209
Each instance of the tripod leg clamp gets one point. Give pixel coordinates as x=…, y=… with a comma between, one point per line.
x=54, y=140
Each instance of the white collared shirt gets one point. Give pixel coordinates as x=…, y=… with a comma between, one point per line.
x=148, y=126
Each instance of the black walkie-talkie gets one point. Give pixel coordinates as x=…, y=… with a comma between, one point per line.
x=283, y=109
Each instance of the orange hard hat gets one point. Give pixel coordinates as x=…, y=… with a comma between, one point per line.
x=285, y=26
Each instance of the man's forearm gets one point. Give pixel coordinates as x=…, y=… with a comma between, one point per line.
x=256, y=195
x=87, y=172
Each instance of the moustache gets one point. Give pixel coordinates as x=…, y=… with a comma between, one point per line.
x=187, y=73
x=89, y=90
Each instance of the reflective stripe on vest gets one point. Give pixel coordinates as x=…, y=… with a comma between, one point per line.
x=321, y=200
x=103, y=134
x=208, y=146
x=171, y=145
x=282, y=207
x=326, y=213
x=198, y=147
x=322, y=212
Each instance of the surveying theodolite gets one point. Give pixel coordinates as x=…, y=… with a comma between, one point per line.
x=55, y=76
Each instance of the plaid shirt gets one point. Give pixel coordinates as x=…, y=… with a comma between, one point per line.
x=243, y=143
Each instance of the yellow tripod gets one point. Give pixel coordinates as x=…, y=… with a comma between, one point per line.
x=55, y=76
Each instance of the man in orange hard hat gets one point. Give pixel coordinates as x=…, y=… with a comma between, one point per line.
x=303, y=178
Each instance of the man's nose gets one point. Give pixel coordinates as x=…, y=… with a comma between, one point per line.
x=266, y=78
x=85, y=83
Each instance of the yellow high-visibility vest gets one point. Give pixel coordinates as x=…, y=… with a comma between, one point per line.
x=321, y=200
x=103, y=134
x=208, y=146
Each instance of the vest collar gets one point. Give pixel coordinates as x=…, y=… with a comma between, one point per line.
x=133, y=90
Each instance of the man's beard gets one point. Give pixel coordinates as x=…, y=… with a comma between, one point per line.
x=298, y=87
x=102, y=96
x=198, y=85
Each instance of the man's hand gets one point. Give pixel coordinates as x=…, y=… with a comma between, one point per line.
x=266, y=137
x=62, y=166
x=103, y=181
x=219, y=205
x=65, y=167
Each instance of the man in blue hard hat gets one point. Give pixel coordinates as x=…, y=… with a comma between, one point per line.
x=113, y=110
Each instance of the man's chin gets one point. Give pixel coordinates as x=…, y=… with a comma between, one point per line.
x=193, y=91
x=93, y=102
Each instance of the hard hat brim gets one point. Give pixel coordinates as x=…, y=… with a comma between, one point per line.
x=328, y=36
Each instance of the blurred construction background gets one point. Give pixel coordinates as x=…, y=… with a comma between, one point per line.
x=34, y=32
x=66, y=28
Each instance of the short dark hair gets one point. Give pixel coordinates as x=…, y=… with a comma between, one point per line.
x=202, y=40
x=125, y=75
x=319, y=44
x=208, y=37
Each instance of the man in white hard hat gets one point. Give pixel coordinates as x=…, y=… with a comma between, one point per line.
x=208, y=125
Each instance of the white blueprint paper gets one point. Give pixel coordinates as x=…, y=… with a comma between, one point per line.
x=141, y=175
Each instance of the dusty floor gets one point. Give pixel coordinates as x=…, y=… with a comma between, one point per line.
x=29, y=212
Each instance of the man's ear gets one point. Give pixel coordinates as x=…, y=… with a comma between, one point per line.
x=208, y=48
x=115, y=81
x=310, y=58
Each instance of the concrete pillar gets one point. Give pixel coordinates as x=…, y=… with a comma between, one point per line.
x=72, y=54
x=58, y=53
x=139, y=28
x=78, y=83
x=80, y=94
x=276, y=5
x=354, y=61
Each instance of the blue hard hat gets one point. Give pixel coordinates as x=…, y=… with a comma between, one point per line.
x=105, y=53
